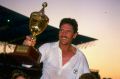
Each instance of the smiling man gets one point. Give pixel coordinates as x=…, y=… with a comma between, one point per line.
x=61, y=59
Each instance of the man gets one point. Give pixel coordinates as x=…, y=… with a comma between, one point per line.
x=61, y=59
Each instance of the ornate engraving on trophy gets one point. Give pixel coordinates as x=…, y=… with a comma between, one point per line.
x=22, y=49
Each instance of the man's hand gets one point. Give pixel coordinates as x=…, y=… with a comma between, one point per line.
x=29, y=41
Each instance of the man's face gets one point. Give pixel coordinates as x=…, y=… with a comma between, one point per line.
x=66, y=34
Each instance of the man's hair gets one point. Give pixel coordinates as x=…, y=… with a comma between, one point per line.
x=70, y=21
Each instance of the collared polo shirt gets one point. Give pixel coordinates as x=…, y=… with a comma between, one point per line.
x=52, y=63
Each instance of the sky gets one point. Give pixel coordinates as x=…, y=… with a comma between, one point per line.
x=96, y=18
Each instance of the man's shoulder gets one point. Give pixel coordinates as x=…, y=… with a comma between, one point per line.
x=80, y=52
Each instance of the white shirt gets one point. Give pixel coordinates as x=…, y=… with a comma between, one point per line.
x=52, y=63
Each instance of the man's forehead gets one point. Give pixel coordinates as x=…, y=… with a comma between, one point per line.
x=66, y=26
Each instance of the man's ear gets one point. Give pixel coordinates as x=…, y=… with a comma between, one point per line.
x=75, y=35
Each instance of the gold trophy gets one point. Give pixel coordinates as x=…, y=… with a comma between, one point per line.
x=38, y=21
x=37, y=24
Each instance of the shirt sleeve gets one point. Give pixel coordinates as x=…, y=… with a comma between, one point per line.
x=84, y=67
x=44, y=51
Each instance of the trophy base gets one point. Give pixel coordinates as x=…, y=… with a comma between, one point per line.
x=25, y=55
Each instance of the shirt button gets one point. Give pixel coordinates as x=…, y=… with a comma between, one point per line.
x=75, y=71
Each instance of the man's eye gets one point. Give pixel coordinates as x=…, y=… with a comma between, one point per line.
x=68, y=31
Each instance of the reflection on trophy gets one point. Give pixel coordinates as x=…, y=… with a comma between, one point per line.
x=38, y=21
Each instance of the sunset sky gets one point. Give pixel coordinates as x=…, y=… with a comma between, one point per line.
x=96, y=18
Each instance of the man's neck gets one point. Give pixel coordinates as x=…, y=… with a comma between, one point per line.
x=65, y=47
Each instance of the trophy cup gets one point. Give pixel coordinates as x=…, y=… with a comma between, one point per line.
x=38, y=21
x=37, y=24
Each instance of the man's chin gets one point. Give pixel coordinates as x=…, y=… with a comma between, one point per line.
x=64, y=43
